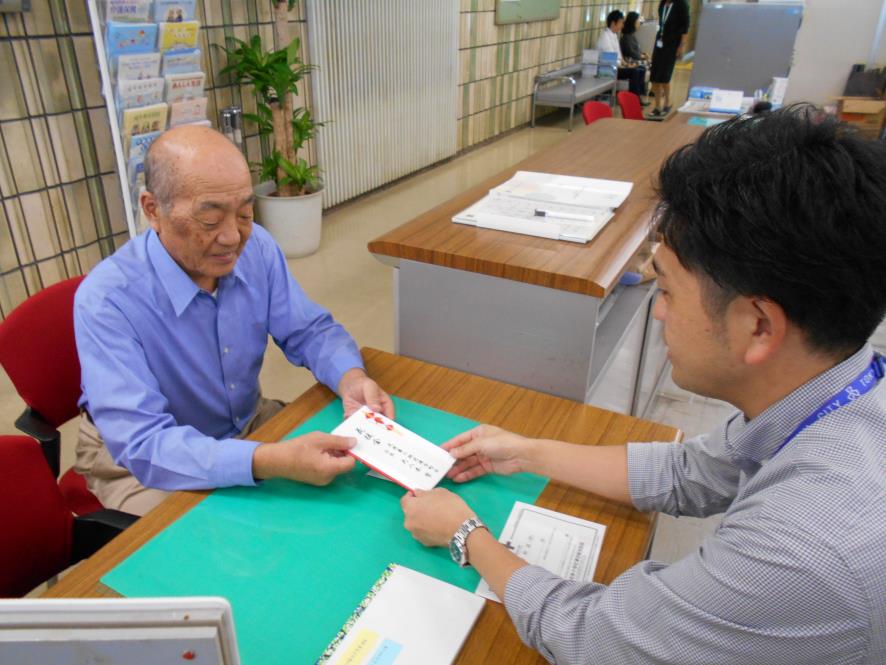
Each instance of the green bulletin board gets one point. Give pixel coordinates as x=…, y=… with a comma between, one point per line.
x=520, y=11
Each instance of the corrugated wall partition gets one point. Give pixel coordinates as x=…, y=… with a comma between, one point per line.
x=386, y=85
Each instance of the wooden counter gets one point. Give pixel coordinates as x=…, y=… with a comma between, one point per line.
x=612, y=148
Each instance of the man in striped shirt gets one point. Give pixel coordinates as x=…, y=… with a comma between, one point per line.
x=772, y=280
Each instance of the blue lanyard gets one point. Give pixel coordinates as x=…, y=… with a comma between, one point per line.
x=862, y=384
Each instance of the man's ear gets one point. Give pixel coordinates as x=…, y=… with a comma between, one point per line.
x=766, y=326
x=151, y=208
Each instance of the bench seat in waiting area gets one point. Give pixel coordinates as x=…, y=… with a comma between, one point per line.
x=566, y=87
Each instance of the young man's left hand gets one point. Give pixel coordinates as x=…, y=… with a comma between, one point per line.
x=433, y=517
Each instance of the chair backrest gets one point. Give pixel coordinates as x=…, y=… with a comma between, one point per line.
x=592, y=111
x=37, y=526
x=629, y=104
x=38, y=352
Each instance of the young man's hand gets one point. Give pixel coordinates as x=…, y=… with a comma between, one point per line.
x=433, y=517
x=487, y=449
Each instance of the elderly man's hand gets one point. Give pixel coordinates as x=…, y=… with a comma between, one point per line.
x=314, y=459
x=433, y=517
x=357, y=389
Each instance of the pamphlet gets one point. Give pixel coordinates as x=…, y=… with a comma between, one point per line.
x=135, y=66
x=135, y=11
x=407, y=618
x=179, y=35
x=144, y=120
x=184, y=86
x=181, y=62
x=173, y=11
x=187, y=111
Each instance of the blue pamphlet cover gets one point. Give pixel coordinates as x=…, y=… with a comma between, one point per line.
x=131, y=37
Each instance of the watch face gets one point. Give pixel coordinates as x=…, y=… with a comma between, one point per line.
x=454, y=552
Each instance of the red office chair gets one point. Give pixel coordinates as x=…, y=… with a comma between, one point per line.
x=38, y=352
x=629, y=104
x=592, y=111
x=40, y=536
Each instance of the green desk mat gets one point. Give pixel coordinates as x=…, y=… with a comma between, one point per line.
x=294, y=560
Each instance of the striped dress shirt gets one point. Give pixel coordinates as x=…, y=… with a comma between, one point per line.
x=795, y=573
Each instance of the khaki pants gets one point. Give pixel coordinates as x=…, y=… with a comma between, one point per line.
x=114, y=486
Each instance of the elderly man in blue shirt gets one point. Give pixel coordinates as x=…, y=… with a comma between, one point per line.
x=171, y=331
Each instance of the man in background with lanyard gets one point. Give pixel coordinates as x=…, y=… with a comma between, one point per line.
x=772, y=277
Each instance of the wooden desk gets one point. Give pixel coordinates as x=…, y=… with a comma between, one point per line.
x=493, y=639
x=527, y=310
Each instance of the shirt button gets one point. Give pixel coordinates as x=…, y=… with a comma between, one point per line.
x=226, y=349
x=233, y=386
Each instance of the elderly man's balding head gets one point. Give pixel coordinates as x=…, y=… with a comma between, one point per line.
x=191, y=156
x=199, y=201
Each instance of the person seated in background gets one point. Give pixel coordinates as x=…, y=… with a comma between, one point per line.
x=171, y=331
x=608, y=42
x=630, y=47
x=771, y=282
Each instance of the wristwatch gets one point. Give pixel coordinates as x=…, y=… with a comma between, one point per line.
x=458, y=548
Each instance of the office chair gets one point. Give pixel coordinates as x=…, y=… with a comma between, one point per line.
x=592, y=111
x=40, y=536
x=38, y=352
x=629, y=104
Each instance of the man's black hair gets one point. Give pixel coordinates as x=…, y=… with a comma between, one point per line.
x=789, y=206
x=614, y=17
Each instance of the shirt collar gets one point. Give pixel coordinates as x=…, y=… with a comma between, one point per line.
x=757, y=440
x=180, y=288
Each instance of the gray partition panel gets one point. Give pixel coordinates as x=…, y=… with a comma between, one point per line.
x=741, y=46
x=519, y=333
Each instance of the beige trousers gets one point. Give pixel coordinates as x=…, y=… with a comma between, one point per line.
x=114, y=486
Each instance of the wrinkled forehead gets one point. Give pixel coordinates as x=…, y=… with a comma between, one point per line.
x=224, y=200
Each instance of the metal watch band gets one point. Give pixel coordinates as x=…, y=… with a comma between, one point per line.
x=458, y=545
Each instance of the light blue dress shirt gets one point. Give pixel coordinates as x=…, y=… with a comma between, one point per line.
x=170, y=372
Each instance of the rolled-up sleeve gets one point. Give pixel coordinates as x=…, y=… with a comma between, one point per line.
x=694, y=478
x=306, y=332
x=132, y=415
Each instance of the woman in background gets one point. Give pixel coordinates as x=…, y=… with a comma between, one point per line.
x=670, y=41
x=630, y=47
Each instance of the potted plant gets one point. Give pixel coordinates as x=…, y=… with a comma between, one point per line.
x=288, y=200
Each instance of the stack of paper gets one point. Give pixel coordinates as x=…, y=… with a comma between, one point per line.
x=549, y=206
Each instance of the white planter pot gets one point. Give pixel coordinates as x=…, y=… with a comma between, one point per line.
x=294, y=222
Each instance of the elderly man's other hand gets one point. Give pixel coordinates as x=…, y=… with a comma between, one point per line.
x=357, y=389
x=433, y=517
x=314, y=459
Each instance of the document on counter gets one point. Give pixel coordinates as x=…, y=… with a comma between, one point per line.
x=547, y=205
x=407, y=618
x=565, y=190
x=565, y=545
x=394, y=452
